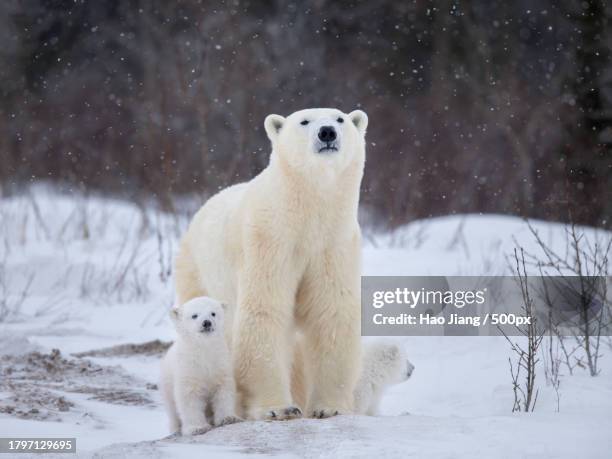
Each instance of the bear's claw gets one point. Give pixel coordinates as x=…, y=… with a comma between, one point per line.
x=229, y=420
x=324, y=413
x=292, y=412
x=197, y=430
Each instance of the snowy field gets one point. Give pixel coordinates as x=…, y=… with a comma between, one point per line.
x=81, y=277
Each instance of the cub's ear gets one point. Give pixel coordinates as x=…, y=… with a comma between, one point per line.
x=174, y=314
x=224, y=306
x=393, y=351
x=360, y=120
x=273, y=125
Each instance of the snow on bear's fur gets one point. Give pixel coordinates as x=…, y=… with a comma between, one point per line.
x=197, y=384
x=384, y=364
x=285, y=248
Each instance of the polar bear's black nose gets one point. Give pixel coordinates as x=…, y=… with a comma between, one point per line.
x=206, y=324
x=327, y=134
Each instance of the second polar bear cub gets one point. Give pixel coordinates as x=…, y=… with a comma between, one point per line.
x=197, y=382
x=384, y=364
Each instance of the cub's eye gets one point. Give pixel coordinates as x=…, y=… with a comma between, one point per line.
x=195, y=316
x=340, y=120
x=213, y=314
x=305, y=122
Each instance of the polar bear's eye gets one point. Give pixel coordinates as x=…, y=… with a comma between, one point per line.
x=213, y=314
x=340, y=120
x=195, y=316
x=305, y=122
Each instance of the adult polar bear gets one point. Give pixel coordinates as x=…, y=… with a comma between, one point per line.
x=284, y=248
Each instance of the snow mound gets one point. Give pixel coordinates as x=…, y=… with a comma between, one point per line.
x=384, y=437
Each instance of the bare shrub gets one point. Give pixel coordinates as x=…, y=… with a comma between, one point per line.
x=8, y=306
x=583, y=268
x=523, y=369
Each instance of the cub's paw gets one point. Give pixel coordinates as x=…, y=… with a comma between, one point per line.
x=172, y=436
x=196, y=430
x=228, y=420
x=322, y=413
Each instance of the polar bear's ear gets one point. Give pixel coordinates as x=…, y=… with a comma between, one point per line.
x=273, y=125
x=174, y=314
x=360, y=120
x=224, y=306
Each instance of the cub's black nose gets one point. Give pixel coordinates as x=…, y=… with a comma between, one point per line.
x=327, y=134
x=207, y=323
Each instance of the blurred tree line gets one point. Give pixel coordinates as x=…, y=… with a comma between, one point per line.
x=479, y=106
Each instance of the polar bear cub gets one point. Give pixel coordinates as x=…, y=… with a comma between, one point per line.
x=197, y=383
x=383, y=364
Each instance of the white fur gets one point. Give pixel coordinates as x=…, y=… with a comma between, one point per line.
x=383, y=365
x=196, y=374
x=285, y=248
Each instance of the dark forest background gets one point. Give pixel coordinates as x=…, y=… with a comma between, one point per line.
x=474, y=106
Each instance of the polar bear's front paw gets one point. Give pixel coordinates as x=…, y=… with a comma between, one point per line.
x=229, y=420
x=278, y=414
x=196, y=430
x=283, y=414
x=322, y=413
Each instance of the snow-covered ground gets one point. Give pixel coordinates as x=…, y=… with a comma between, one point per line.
x=81, y=274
